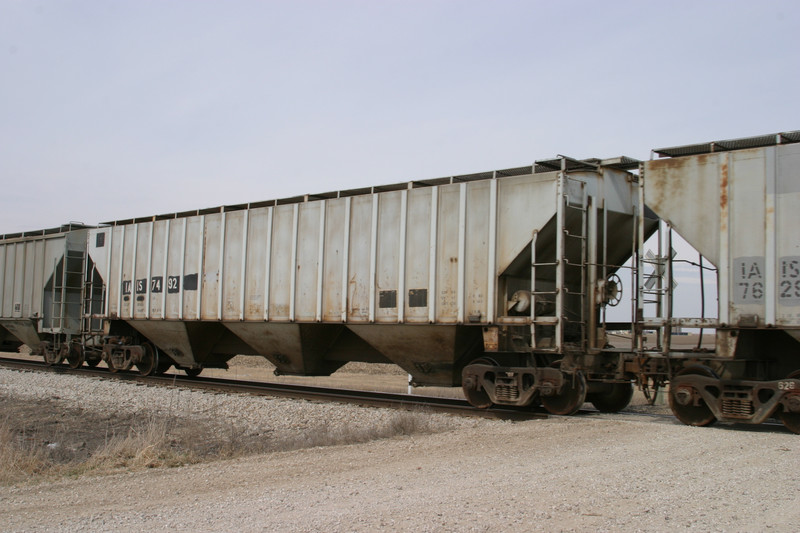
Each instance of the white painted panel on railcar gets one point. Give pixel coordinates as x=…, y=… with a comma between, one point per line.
x=6, y=284
x=686, y=192
x=281, y=265
x=19, y=279
x=477, y=251
x=524, y=204
x=191, y=268
x=210, y=273
x=141, y=273
x=333, y=260
x=173, y=279
x=615, y=189
x=307, y=268
x=447, y=254
x=358, y=288
x=157, y=281
x=129, y=271
x=746, y=208
x=787, y=207
x=39, y=281
x=53, y=255
x=30, y=282
x=388, y=256
x=113, y=283
x=258, y=238
x=418, y=251
x=235, y=248
x=98, y=244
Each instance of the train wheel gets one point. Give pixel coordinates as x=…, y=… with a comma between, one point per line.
x=163, y=365
x=614, y=400
x=192, y=372
x=792, y=420
x=75, y=356
x=685, y=402
x=149, y=363
x=478, y=398
x=571, y=398
x=53, y=357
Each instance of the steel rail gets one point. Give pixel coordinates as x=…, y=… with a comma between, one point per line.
x=357, y=397
x=304, y=392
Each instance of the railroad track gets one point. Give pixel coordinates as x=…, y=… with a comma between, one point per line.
x=305, y=392
x=357, y=397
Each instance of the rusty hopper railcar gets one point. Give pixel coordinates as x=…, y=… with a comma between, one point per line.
x=507, y=270
x=738, y=203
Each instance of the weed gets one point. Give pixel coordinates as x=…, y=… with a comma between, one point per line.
x=18, y=462
x=45, y=439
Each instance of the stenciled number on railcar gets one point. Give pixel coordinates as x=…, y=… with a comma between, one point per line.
x=141, y=286
x=789, y=280
x=126, y=287
x=749, y=285
x=173, y=284
x=787, y=385
x=789, y=289
x=751, y=291
x=156, y=284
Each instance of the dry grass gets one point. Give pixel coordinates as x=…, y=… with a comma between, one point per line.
x=29, y=455
x=401, y=423
x=47, y=441
x=148, y=446
x=17, y=462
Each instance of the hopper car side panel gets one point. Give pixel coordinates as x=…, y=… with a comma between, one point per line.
x=450, y=254
x=264, y=263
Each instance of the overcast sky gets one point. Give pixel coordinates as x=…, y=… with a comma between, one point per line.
x=111, y=110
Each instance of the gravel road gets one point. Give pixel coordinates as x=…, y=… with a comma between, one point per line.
x=584, y=473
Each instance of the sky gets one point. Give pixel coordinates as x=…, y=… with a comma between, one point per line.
x=117, y=109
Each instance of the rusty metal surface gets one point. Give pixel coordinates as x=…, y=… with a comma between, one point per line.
x=739, y=209
x=737, y=400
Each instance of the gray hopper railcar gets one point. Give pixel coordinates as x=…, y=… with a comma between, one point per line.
x=44, y=291
x=497, y=282
x=430, y=275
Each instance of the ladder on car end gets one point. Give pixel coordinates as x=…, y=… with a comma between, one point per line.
x=570, y=262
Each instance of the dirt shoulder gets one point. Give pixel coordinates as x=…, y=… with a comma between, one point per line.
x=583, y=473
x=557, y=474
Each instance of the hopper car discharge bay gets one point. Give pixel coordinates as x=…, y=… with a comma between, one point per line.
x=499, y=282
